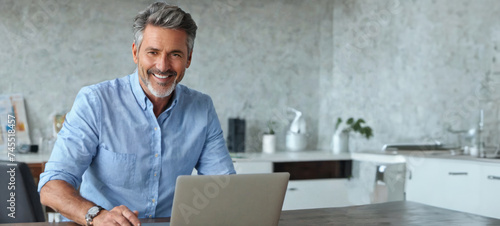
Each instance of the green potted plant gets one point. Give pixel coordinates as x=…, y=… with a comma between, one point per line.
x=340, y=142
x=270, y=127
x=269, y=138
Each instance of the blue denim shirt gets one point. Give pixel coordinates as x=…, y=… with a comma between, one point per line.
x=114, y=148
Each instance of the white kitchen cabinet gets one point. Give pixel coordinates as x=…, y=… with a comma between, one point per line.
x=450, y=184
x=490, y=190
x=313, y=184
x=308, y=194
x=316, y=184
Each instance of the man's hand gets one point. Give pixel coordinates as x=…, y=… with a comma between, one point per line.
x=64, y=198
x=119, y=215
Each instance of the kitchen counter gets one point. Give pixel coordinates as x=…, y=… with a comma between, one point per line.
x=367, y=155
x=290, y=156
x=310, y=155
x=315, y=155
x=434, y=154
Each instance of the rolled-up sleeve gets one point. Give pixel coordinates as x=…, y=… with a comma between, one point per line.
x=214, y=157
x=76, y=143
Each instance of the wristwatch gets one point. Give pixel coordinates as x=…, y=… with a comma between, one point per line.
x=91, y=213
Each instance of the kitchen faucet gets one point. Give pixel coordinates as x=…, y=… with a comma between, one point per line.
x=480, y=143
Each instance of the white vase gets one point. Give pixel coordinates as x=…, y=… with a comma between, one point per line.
x=340, y=143
x=268, y=143
x=296, y=141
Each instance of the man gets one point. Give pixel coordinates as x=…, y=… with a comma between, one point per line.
x=125, y=141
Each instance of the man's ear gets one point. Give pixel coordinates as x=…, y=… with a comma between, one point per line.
x=134, y=52
x=189, y=59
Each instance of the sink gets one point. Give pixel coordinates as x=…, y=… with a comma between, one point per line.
x=491, y=152
x=435, y=150
x=426, y=149
x=492, y=156
x=417, y=147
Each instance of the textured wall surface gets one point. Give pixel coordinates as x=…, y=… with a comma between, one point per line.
x=409, y=68
x=412, y=69
x=254, y=58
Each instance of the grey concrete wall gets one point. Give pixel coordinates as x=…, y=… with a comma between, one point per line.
x=413, y=68
x=254, y=58
x=408, y=68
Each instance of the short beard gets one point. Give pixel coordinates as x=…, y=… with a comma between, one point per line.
x=163, y=94
x=155, y=93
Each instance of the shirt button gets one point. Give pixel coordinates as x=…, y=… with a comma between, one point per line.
x=156, y=155
x=156, y=128
x=150, y=216
x=155, y=174
x=153, y=200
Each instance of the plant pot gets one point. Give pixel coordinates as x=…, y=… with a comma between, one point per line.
x=340, y=143
x=268, y=143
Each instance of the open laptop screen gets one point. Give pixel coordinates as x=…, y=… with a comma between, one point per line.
x=239, y=199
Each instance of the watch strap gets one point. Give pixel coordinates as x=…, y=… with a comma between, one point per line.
x=89, y=217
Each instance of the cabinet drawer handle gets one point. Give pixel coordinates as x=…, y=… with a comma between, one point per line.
x=493, y=177
x=292, y=189
x=458, y=173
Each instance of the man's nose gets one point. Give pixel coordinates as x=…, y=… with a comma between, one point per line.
x=163, y=63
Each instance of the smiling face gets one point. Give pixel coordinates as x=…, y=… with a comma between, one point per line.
x=161, y=60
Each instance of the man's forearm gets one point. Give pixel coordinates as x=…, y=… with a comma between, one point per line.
x=62, y=197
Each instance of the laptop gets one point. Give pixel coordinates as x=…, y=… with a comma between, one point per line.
x=238, y=199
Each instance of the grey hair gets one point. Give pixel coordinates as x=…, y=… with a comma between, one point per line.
x=163, y=15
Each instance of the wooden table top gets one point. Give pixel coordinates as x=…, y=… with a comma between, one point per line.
x=390, y=213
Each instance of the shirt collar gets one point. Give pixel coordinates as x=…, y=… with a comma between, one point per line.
x=139, y=94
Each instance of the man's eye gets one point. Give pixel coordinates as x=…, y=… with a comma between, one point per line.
x=153, y=53
x=176, y=55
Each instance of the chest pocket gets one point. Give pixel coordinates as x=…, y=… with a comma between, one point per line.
x=114, y=168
